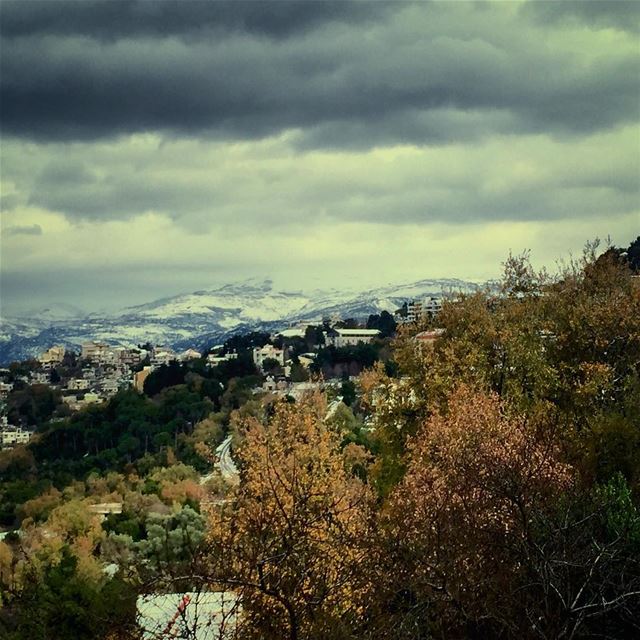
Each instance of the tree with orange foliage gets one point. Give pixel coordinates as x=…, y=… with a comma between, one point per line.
x=293, y=542
x=477, y=476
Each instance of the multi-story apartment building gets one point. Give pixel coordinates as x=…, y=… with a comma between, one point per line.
x=420, y=310
x=52, y=356
x=10, y=436
x=268, y=352
x=96, y=351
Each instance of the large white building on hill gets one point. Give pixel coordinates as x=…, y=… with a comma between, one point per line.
x=346, y=337
x=268, y=352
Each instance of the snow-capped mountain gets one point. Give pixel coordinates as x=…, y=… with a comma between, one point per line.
x=202, y=318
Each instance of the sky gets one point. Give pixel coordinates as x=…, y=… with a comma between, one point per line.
x=150, y=148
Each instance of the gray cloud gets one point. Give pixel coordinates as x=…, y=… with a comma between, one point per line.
x=27, y=230
x=267, y=185
x=619, y=14
x=72, y=189
x=415, y=75
x=112, y=19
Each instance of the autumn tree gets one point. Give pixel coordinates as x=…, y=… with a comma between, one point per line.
x=477, y=475
x=293, y=541
x=572, y=340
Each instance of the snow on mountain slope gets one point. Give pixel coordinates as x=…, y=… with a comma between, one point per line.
x=232, y=303
x=203, y=317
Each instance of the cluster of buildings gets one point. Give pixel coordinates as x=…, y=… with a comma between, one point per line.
x=336, y=337
x=102, y=370
x=96, y=375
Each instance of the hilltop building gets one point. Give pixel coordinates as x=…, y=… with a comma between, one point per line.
x=268, y=352
x=52, y=356
x=96, y=351
x=346, y=337
x=420, y=310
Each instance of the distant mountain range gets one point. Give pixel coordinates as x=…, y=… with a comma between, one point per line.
x=203, y=318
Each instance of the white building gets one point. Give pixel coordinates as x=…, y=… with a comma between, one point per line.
x=428, y=337
x=106, y=508
x=5, y=389
x=268, y=352
x=190, y=354
x=162, y=355
x=346, y=337
x=420, y=310
x=293, y=332
x=77, y=384
x=40, y=377
x=213, y=359
x=52, y=356
x=97, y=351
x=129, y=357
x=109, y=386
x=10, y=436
x=90, y=398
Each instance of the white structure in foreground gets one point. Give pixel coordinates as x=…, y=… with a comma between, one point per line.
x=195, y=615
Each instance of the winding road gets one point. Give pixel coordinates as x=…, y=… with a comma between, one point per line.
x=224, y=464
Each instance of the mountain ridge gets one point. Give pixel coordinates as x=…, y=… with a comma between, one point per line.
x=202, y=317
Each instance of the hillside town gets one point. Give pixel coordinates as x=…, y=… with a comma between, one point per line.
x=286, y=361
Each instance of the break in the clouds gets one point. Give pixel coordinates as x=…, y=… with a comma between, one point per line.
x=317, y=130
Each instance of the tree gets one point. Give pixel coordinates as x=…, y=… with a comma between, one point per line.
x=171, y=541
x=633, y=255
x=384, y=323
x=298, y=373
x=476, y=476
x=167, y=375
x=313, y=336
x=580, y=568
x=271, y=366
x=294, y=540
x=348, y=392
x=59, y=603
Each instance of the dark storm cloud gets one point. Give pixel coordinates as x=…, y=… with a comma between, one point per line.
x=344, y=74
x=113, y=19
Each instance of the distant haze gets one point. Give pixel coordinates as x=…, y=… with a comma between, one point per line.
x=155, y=148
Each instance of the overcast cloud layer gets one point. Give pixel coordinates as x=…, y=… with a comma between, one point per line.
x=155, y=147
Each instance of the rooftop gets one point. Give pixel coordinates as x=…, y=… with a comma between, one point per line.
x=358, y=332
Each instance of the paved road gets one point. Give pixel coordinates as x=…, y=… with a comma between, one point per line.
x=225, y=463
